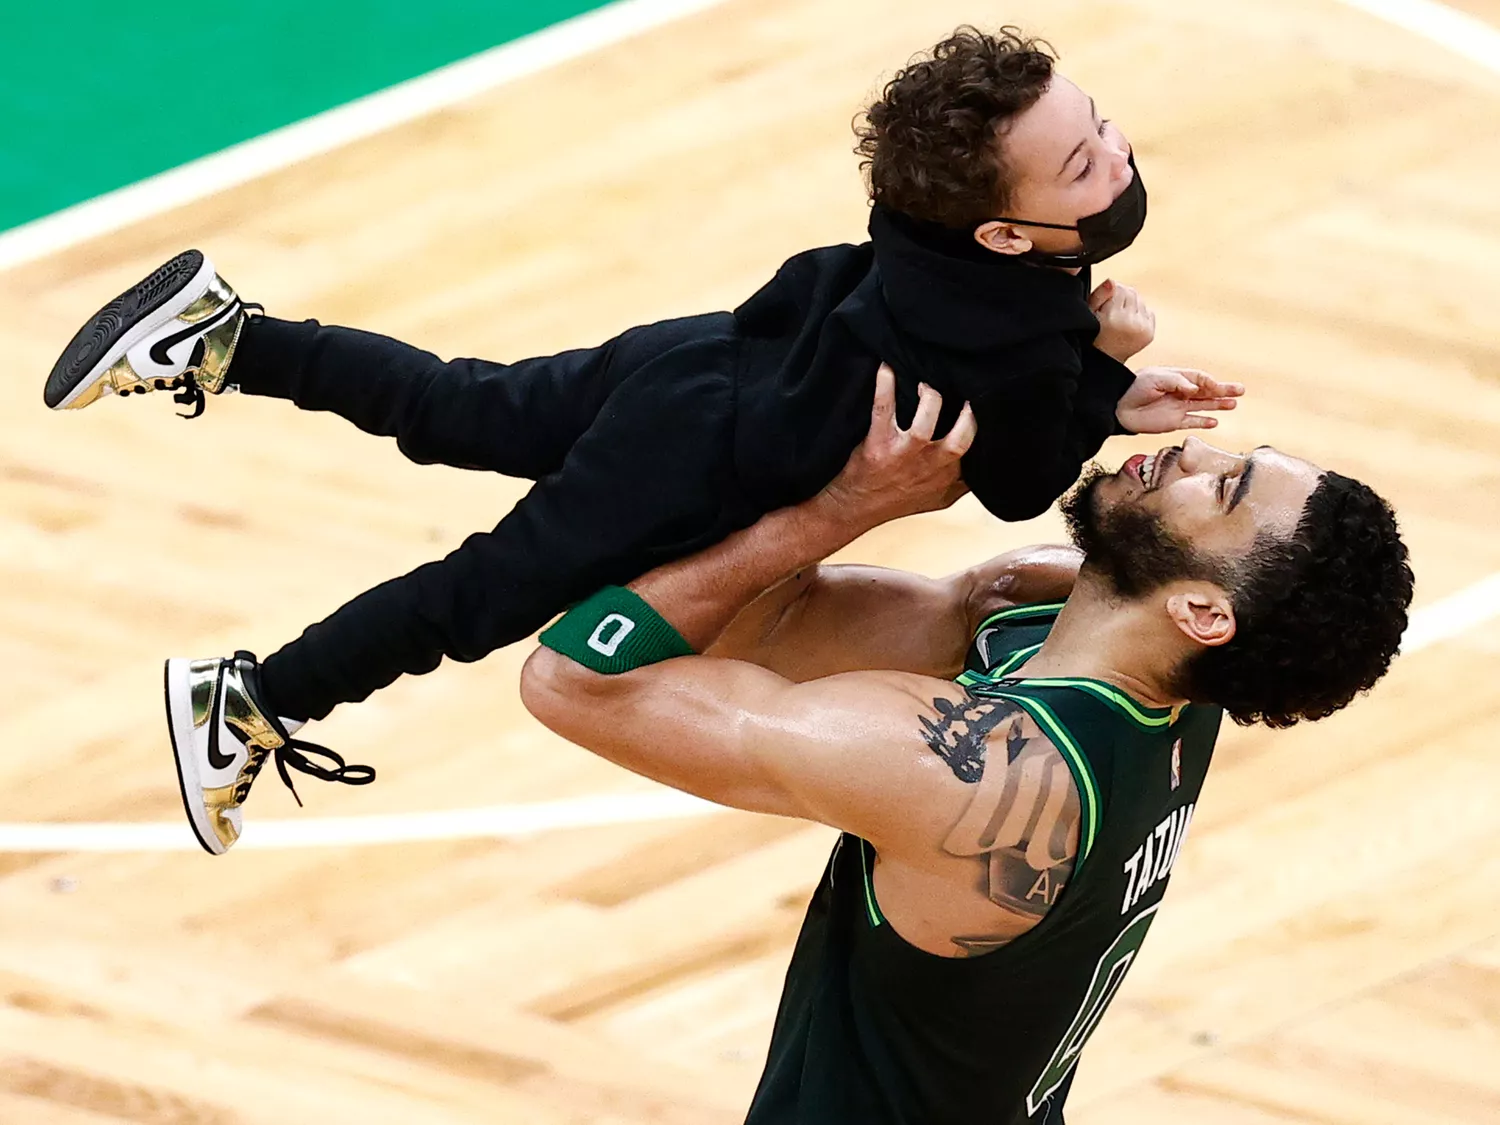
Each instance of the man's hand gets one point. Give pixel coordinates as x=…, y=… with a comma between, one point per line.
x=893, y=473
x=896, y=472
x=1126, y=325
x=1163, y=399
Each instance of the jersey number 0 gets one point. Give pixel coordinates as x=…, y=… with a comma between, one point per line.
x=1109, y=974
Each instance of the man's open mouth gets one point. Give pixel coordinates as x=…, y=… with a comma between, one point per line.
x=1150, y=469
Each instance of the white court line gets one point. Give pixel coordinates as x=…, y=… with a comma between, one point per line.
x=1443, y=620
x=500, y=822
x=1460, y=32
x=1456, y=614
x=437, y=90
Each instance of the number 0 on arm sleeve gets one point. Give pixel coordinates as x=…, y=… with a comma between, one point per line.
x=614, y=631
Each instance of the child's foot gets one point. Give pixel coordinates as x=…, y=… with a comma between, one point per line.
x=175, y=330
x=221, y=735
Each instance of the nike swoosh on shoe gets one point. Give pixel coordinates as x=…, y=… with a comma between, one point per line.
x=216, y=759
x=159, y=350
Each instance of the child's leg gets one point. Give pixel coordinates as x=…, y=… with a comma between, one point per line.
x=652, y=480
x=519, y=419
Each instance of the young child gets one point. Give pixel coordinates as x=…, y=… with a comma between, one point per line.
x=995, y=187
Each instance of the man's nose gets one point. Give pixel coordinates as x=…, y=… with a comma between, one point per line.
x=1199, y=457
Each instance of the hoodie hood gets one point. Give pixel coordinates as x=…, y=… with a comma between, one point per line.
x=980, y=327
x=943, y=288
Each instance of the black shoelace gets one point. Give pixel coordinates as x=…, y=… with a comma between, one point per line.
x=293, y=755
x=190, y=394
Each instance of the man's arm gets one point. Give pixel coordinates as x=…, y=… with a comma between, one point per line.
x=848, y=618
x=741, y=736
x=974, y=813
x=657, y=719
x=893, y=473
x=954, y=791
x=805, y=620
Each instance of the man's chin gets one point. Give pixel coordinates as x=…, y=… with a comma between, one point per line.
x=1083, y=504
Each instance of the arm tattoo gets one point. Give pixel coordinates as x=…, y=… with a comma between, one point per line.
x=1022, y=819
x=959, y=736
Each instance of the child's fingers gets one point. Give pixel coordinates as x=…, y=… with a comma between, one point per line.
x=1210, y=386
x=1173, y=382
x=961, y=436
x=1197, y=377
x=883, y=412
x=929, y=405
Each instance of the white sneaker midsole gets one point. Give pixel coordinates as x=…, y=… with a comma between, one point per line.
x=185, y=750
x=149, y=324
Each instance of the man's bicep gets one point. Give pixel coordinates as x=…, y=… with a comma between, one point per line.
x=847, y=618
x=679, y=722
x=838, y=750
x=849, y=751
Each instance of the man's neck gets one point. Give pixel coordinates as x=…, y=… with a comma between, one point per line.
x=1102, y=637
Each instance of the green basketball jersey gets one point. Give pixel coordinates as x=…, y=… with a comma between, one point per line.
x=873, y=1031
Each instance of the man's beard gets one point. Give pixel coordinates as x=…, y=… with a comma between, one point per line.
x=1128, y=547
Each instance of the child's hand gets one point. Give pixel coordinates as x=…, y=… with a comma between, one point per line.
x=1126, y=325
x=1162, y=399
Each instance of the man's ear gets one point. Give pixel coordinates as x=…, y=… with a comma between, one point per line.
x=1002, y=238
x=1204, y=614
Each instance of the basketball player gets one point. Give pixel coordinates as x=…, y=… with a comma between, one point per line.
x=996, y=185
x=1014, y=753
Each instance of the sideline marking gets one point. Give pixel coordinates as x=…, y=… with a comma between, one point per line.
x=500, y=822
x=1457, y=613
x=1460, y=32
x=364, y=117
x=1441, y=621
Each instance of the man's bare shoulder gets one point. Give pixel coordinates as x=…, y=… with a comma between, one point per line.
x=992, y=830
x=1024, y=576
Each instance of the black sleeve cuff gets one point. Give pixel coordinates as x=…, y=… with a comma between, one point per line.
x=1105, y=381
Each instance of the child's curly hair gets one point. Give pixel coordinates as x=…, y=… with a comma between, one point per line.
x=929, y=143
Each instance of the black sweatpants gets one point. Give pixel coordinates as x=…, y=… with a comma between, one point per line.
x=631, y=446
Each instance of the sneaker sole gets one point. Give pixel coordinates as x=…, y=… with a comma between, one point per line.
x=180, y=725
x=123, y=323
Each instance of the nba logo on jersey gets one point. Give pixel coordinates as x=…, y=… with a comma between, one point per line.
x=1176, y=763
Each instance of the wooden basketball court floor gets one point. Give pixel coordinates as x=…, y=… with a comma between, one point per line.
x=1324, y=226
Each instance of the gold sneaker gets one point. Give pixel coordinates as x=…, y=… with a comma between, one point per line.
x=221, y=736
x=175, y=330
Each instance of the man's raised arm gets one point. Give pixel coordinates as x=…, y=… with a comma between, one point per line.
x=870, y=752
x=805, y=619
x=712, y=726
x=893, y=473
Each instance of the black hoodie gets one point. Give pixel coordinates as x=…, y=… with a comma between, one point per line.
x=1013, y=339
x=667, y=438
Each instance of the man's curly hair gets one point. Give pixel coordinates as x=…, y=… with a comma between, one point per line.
x=930, y=144
x=1318, y=616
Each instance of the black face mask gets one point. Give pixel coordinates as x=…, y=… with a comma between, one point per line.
x=1104, y=234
